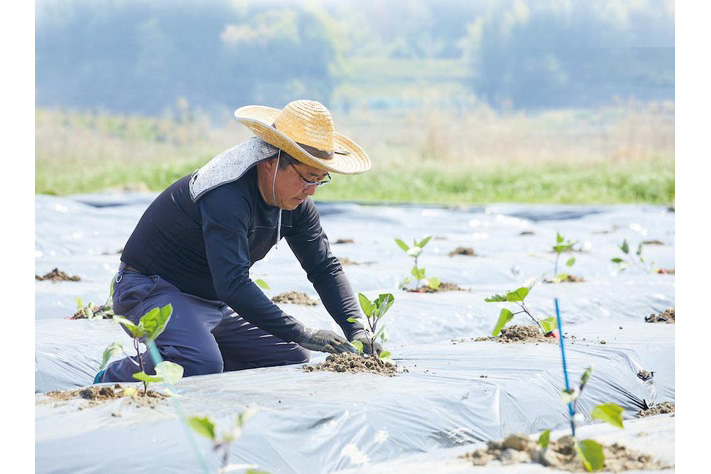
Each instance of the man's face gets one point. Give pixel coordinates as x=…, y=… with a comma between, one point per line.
x=291, y=184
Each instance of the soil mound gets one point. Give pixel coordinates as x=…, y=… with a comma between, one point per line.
x=667, y=316
x=103, y=312
x=344, y=241
x=565, y=279
x=57, y=275
x=354, y=363
x=98, y=394
x=295, y=297
x=520, y=334
x=444, y=286
x=662, y=408
x=560, y=454
x=463, y=251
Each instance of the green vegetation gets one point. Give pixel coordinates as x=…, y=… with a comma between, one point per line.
x=518, y=296
x=205, y=426
x=561, y=246
x=559, y=157
x=374, y=312
x=636, y=260
x=418, y=273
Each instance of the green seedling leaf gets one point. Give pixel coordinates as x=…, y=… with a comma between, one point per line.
x=504, y=317
x=495, y=298
x=548, y=324
x=639, y=249
x=136, y=331
x=144, y=377
x=402, y=245
x=424, y=241
x=365, y=304
x=113, y=349
x=562, y=247
x=625, y=246
x=591, y=455
x=80, y=304
x=433, y=283
x=608, y=412
x=418, y=273
x=380, y=333
x=170, y=372
x=358, y=345
x=383, y=303
x=617, y=260
x=202, y=425
x=570, y=262
x=353, y=320
x=559, y=238
x=155, y=320
x=560, y=277
x=111, y=285
x=405, y=282
x=89, y=312
x=517, y=295
x=385, y=355
x=414, y=251
x=262, y=284
x=586, y=376
x=544, y=439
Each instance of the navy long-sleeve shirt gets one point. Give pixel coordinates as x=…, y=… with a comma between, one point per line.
x=206, y=248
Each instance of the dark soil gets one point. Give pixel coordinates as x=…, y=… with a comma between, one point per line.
x=662, y=408
x=443, y=286
x=344, y=241
x=567, y=279
x=653, y=242
x=468, y=251
x=105, y=312
x=295, y=297
x=98, y=394
x=57, y=275
x=666, y=271
x=560, y=454
x=527, y=232
x=354, y=363
x=666, y=317
x=645, y=375
x=520, y=334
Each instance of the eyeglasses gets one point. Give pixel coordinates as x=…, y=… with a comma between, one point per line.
x=312, y=184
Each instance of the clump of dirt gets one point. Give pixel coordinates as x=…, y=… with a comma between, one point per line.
x=666, y=317
x=344, y=241
x=103, y=312
x=527, y=232
x=57, y=275
x=560, y=454
x=565, y=279
x=443, y=286
x=653, y=242
x=662, y=408
x=354, y=363
x=468, y=251
x=520, y=334
x=295, y=297
x=645, y=375
x=666, y=271
x=98, y=394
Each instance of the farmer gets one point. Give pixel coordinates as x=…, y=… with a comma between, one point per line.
x=194, y=245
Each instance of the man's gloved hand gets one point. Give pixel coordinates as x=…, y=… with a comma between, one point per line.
x=365, y=340
x=324, y=341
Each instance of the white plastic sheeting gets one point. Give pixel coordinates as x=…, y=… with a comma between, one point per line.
x=453, y=394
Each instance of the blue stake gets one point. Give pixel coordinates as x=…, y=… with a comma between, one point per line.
x=571, y=411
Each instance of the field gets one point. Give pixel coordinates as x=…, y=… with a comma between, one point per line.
x=470, y=154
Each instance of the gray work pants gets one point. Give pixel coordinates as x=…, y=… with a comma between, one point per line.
x=203, y=336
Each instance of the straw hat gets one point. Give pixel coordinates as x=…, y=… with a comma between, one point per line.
x=304, y=129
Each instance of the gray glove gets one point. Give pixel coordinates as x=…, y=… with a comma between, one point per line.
x=365, y=340
x=323, y=340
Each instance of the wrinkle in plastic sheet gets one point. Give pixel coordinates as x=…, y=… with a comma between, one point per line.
x=453, y=394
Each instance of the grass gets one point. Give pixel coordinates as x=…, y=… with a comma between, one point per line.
x=623, y=154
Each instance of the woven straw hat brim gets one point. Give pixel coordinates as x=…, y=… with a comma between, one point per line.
x=259, y=120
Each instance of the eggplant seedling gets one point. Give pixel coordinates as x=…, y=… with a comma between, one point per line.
x=561, y=246
x=205, y=426
x=418, y=273
x=91, y=311
x=518, y=296
x=149, y=327
x=589, y=451
x=629, y=259
x=374, y=312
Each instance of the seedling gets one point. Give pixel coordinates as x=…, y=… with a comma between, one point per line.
x=262, y=284
x=561, y=246
x=629, y=259
x=590, y=451
x=374, y=311
x=418, y=273
x=91, y=311
x=518, y=296
x=149, y=327
x=204, y=426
